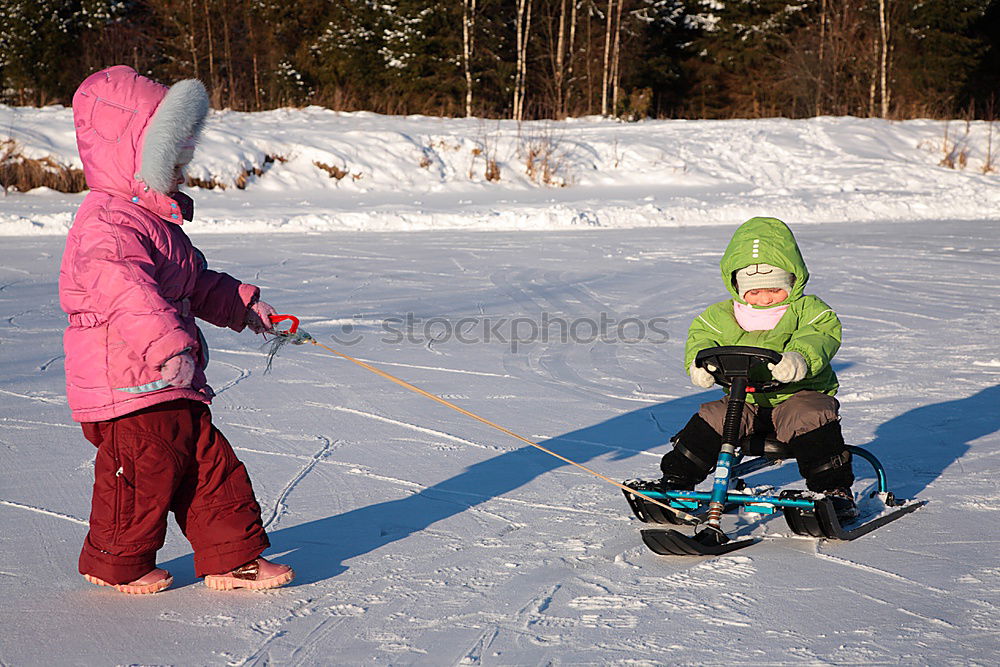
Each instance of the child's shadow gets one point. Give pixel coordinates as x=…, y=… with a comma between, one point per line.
x=318, y=549
x=926, y=440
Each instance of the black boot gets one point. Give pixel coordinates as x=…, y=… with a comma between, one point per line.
x=825, y=463
x=695, y=452
x=843, y=504
x=676, y=483
x=823, y=458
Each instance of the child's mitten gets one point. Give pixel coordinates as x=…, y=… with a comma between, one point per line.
x=791, y=368
x=700, y=377
x=259, y=317
x=178, y=371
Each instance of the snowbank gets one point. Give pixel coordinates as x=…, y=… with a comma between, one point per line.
x=314, y=170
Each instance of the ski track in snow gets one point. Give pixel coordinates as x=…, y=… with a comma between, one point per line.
x=42, y=510
x=459, y=371
x=412, y=427
x=34, y=397
x=476, y=497
x=535, y=294
x=243, y=374
x=9, y=422
x=402, y=560
x=875, y=570
x=279, y=504
x=613, y=448
x=443, y=494
x=927, y=619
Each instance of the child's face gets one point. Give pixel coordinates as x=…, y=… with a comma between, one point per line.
x=767, y=296
x=183, y=159
x=178, y=177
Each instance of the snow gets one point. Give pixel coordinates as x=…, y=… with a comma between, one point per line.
x=421, y=536
x=416, y=173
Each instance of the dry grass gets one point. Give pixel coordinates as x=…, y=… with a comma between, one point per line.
x=543, y=162
x=988, y=165
x=485, y=148
x=955, y=153
x=242, y=179
x=444, y=145
x=333, y=170
x=336, y=172
x=21, y=173
x=492, y=170
x=955, y=148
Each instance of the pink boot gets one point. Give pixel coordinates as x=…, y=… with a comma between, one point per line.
x=153, y=581
x=256, y=575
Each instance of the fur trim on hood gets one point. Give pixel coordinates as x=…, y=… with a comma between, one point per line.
x=179, y=117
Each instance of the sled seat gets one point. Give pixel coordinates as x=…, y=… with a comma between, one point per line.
x=766, y=445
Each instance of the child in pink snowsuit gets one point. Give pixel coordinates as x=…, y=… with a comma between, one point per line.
x=132, y=285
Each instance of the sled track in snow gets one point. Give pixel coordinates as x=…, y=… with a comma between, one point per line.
x=279, y=504
x=42, y=510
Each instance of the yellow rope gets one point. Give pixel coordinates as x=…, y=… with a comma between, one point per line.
x=402, y=383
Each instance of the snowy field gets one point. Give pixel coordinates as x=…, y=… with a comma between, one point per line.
x=318, y=170
x=422, y=537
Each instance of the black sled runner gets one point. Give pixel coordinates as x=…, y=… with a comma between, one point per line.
x=806, y=513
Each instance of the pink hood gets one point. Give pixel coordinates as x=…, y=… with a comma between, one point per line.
x=112, y=110
x=131, y=281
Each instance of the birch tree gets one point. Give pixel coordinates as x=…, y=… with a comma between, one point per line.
x=606, y=71
x=616, y=57
x=468, y=49
x=560, y=59
x=523, y=30
x=562, y=50
x=883, y=28
x=821, y=68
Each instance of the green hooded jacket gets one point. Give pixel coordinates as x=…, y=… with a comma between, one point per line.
x=809, y=326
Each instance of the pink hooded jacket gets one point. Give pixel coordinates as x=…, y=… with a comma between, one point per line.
x=131, y=281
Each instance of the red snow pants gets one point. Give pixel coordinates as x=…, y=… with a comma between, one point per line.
x=167, y=458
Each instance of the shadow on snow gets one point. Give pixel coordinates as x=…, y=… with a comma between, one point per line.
x=918, y=445
x=923, y=442
x=318, y=549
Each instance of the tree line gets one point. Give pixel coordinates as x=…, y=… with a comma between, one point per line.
x=525, y=59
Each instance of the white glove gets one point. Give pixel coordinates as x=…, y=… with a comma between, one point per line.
x=700, y=377
x=791, y=368
x=178, y=371
x=259, y=317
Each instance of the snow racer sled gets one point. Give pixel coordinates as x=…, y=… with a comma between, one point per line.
x=806, y=513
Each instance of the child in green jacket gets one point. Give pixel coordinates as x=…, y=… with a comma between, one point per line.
x=764, y=271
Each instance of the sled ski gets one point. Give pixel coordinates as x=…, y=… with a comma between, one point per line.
x=821, y=520
x=646, y=511
x=807, y=514
x=809, y=517
x=705, y=543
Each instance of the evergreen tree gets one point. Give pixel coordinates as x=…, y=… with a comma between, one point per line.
x=695, y=58
x=938, y=51
x=735, y=53
x=662, y=44
x=982, y=85
x=345, y=55
x=31, y=34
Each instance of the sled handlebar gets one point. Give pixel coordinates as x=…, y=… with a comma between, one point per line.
x=733, y=361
